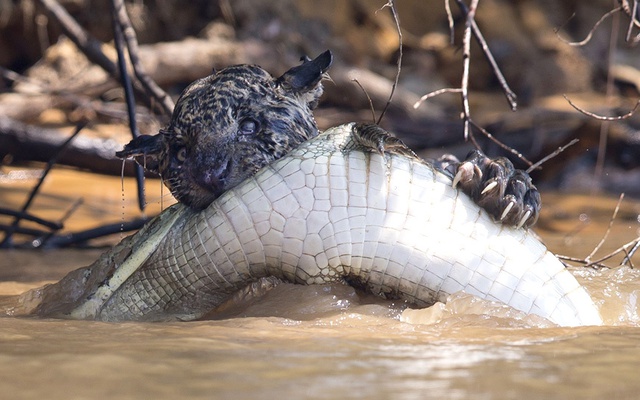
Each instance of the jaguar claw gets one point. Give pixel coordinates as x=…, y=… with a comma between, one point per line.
x=466, y=172
x=524, y=219
x=489, y=187
x=505, y=192
x=506, y=210
x=457, y=178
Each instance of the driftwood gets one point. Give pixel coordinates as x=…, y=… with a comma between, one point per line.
x=31, y=143
x=167, y=63
x=181, y=62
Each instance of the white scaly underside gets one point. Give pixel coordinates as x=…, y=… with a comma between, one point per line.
x=321, y=213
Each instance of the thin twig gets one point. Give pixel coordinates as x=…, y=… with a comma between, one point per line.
x=614, y=253
x=609, y=92
x=16, y=221
x=580, y=261
x=43, y=241
x=632, y=13
x=627, y=258
x=587, y=262
x=509, y=94
x=434, y=94
x=21, y=231
x=129, y=97
x=394, y=13
x=633, y=18
x=591, y=32
x=502, y=145
x=606, y=234
x=156, y=93
x=550, y=156
x=447, y=8
x=472, y=27
x=88, y=45
x=603, y=117
x=373, y=111
x=29, y=217
x=84, y=236
x=466, y=62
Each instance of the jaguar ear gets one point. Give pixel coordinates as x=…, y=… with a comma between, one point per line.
x=304, y=80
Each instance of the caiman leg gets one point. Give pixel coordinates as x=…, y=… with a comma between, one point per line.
x=335, y=209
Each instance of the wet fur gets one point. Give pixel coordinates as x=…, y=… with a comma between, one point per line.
x=209, y=146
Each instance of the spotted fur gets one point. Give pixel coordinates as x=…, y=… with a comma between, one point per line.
x=227, y=126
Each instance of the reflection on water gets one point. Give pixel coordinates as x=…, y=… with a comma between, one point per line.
x=329, y=342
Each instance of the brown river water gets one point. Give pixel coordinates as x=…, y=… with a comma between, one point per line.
x=321, y=342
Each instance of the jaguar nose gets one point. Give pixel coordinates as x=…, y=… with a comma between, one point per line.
x=211, y=181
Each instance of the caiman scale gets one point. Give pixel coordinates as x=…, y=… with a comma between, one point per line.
x=263, y=194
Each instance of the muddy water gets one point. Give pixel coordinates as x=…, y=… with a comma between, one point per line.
x=329, y=342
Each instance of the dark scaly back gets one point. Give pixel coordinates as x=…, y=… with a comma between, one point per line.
x=227, y=126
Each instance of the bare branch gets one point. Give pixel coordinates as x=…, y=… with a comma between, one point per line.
x=434, y=94
x=599, y=263
x=579, y=261
x=373, y=111
x=28, y=217
x=118, y=35
x=602, y=117
x=591, y=32
x=627, y=258
x=120, y=15
x=632, y=14
x=617, y=251
x=466, y=62
x=447, y=8
x=90, y=46
x=606, y=234
x=392, y=6
x=16, y=221
x=510, y=95
x=550, y=156
x=499, y=143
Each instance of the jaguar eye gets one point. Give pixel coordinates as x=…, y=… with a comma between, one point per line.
x=248, y=127
x=181, y=155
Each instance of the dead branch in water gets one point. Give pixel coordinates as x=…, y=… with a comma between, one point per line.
x=606, y=234
x=589, y=262
x=6, y=242
x=121, y=28
x=25, y=142
x=632, y=246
